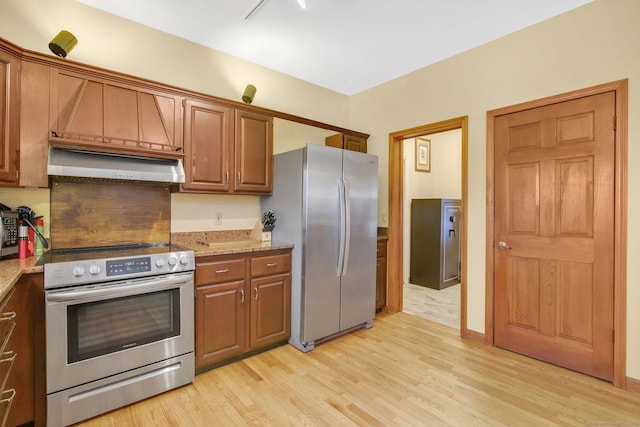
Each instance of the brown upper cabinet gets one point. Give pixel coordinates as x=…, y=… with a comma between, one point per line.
x=9, y=118
x=227, y=150
x=347, y=142
x=92, y=112
x=253, y=144
x=34, y=124
x=227, y=146
x=207, y=132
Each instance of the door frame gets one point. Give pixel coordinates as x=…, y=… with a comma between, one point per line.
x=620, y=88
x=396, y=260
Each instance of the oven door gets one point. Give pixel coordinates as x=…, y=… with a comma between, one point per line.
x=95, y=331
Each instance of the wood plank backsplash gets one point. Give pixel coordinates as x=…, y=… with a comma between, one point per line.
x=87, y=213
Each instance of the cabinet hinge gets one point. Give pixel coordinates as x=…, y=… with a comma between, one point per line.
x=615, y=121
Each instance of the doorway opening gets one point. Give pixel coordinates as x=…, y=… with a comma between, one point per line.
x=396, y=211
x=432, y=184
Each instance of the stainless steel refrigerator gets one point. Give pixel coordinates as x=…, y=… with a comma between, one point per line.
x=326, y=204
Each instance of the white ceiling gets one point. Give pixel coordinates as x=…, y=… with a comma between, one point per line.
x=344, y=45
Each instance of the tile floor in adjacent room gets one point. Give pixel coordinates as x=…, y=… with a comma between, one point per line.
x=441, y=306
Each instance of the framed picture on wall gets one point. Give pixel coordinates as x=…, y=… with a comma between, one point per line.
x=423, y=155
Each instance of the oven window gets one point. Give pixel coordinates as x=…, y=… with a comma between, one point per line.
x=104, y=327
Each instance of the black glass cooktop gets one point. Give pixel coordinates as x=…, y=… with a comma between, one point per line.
x=84, y=254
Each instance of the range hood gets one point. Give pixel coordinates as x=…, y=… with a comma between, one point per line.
x=90, y=164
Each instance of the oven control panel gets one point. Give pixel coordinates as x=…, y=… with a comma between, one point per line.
x=128, y=266
x=69, y=273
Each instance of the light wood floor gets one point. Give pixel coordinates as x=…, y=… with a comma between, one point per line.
x=405, y=371
x=441, y=306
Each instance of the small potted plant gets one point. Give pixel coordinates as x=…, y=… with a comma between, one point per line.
x=268, y=220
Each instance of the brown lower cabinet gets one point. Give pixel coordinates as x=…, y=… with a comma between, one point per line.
x=243, y=304
x=16, y=354
x=381, y=274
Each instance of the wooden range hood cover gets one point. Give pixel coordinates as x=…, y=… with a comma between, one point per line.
x=94, y=113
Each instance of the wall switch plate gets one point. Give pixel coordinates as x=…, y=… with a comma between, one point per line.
x=217, y=220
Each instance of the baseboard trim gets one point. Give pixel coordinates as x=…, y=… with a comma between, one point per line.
x=633, y=385
x=473, y=336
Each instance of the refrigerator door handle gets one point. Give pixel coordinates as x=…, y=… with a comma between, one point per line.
x=347, y=215
x=342, y=228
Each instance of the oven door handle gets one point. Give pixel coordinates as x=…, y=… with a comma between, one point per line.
x=118, y=289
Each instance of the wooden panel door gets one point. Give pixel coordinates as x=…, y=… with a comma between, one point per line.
x=207, y=139
x=220, y=322
x=270, y=309
x=554, y=231
x=9, y=118
x=253, y=153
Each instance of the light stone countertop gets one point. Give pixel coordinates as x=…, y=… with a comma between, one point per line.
x=232, y=247
x=12, y=269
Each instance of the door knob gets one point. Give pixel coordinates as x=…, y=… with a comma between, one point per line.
x=503, y=245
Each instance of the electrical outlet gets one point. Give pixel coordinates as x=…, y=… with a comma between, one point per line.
x=218, y=218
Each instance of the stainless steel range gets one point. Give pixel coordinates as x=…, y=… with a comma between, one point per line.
x=119, y=328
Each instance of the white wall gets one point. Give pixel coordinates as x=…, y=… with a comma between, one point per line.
x=593, y=44
x=114, y=43
x=289, y=135
x=444, y=181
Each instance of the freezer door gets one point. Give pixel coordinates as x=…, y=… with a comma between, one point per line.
x=358, y=287
x=321, y=243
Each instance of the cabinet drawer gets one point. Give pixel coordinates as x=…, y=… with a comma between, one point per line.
x=270, y=264
x=220, y=271
x=6, y=363
x=6, y=400
x=381, y=251
x=7, y=319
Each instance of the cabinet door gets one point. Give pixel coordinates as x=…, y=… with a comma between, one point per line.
x=381, y=275
x=207, y=138
x=20, y=348
x=270, y=310
x=9, y=118
x=34, y=124
x=220, y=322
x=347, y=142
x=355, y=143
x=253, y=153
